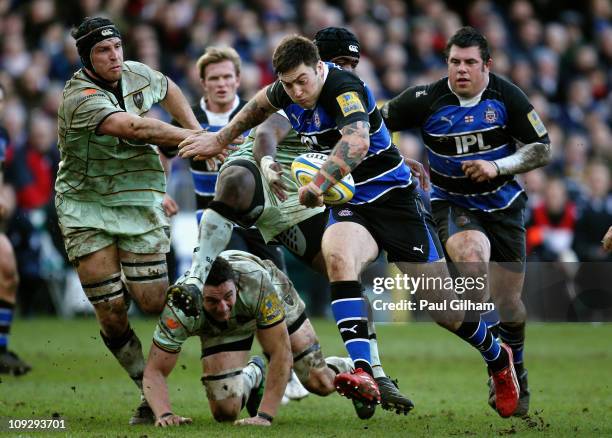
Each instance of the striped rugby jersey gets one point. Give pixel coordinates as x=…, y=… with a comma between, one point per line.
x=345, y=99
x=487, y=127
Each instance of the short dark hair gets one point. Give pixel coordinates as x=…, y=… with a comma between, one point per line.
x=292, y=51
x=220, y=272
x=469, y=37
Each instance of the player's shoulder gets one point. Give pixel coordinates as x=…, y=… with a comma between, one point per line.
x=341, y=79
x=79, y=90
x=504, y=90
x=136, y=67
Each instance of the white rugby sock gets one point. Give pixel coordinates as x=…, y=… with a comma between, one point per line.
x=339, y=364
x=251, y=376
x=214, y=233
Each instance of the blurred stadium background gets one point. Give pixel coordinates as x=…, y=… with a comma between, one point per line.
x=559, y=52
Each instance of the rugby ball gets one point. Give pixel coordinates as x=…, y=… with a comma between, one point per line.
x=306, y=166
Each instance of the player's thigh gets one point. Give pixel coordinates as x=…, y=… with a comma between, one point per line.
x=146, y=276
x=463, y=236
x=8, y=270
x=238, y=184
x=348, y=247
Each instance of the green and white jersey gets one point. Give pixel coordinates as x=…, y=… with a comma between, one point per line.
x=278, y=216
x=264, y=297
x=102, y=168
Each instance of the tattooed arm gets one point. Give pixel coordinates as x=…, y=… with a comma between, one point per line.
x=526, y=158
x=205, y=144
x=346, y=155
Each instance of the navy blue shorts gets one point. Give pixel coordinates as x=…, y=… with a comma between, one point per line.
x=399, y=223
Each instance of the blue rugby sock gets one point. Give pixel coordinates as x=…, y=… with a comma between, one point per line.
x=350, y=313
x=491, y=318
x=6, y=318
x=479, y=336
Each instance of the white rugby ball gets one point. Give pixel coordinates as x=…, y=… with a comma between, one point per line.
x=305, y=167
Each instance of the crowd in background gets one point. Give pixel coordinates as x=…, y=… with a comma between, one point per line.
x=558, y=52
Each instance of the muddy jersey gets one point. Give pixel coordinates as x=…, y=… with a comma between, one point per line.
x=487, y=127
x=102, y=168
x=346, y=99
x=260, y=303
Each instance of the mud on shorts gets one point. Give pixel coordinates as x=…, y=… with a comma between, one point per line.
x=505, y=229
x=88, y=227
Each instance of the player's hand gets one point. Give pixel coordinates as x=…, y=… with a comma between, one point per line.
x=479, y=170
x=203, y=145
x=253, y=421
x=310, y=195
x=272, y=171
x=169, y=205
x=607, y=240
x=172, y=420
x=418, y=170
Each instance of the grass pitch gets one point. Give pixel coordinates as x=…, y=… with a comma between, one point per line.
x=75, y=377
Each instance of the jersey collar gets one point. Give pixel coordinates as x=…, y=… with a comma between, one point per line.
x=472, y=101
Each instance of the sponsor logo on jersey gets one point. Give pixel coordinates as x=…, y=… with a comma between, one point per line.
x=316, y=119
x=345, y=212
x=469, y=119
x=490, y=115
x=271, y=310
x=138, y=99
x=420, y=93
x=90, y=91
x=350, y=103
x=446, y=119
x=536, y=122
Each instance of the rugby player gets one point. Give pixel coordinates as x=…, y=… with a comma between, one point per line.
x=243, y=296
x=480, y=130
x=10, y=362
x=110, y=185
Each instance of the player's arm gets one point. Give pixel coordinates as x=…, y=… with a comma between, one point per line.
x=145, y=129
x=607, y=241
x=267, y=137
x=275, y=342
x=159, y=366
x=178, y=107
x=252, y=114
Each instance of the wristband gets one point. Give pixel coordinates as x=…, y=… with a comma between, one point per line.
x=496, y=167
x=265, y=416
x=166, y=414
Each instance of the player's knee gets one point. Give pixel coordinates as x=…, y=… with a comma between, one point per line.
x=225, y=410
x=320, y=382
x=9, y=280
x=112, y=316
x=236, y=187
x=153, y=301
x=339, y=264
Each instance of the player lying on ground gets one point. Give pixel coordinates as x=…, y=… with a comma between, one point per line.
x=243, y=296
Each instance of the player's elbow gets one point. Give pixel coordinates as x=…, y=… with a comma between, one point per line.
x=546, y=153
